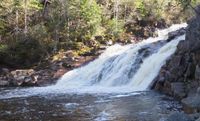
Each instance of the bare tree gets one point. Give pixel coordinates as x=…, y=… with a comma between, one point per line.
x=25, y=17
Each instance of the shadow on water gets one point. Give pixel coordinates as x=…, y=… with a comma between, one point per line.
x=143, y=106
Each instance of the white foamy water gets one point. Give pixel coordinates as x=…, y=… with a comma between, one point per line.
x=112, y=70
x=120, y=69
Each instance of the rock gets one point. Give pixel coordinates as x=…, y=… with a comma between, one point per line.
x=29, y=81
x=67, y=65
x=194, y=116
x=109, y=43
x=197, y=72
x=23, y=77
x=167, y=88
x=175, y=89
x=59, y=73
x=4, y=70
x=191, y=104
x=174, y=34
x=192, y=33
x=183, y=77
x=19, y=73
x=102, y=47
x=198, y=119
x=190, y=70
x=160, y=83
x=181, y=47
x=54, y=67
x=4, y=83
x=176, y=60
x=177, y=116
x=178, y=90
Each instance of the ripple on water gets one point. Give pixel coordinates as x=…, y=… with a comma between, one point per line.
x=149, y=106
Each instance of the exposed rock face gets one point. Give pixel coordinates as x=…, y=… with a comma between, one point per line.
x=191, y=104
x=180, y=77
x=178, y=117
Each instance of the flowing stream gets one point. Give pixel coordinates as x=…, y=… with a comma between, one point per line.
x=115, y=86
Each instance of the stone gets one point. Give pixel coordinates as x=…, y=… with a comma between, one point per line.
x=28, y=81
x=191, y=104
x=23, y=77
x=190, y=71
x=194, y=116
x=197, y=72
x=174, y=34
x=177, y=116
x=4, y=70
x=178, y=90
x=159, y=82
x=24, y=72
x=182, y=47
x=198, y=119
x=67, y=65
x=192, y=33
x=176, y=60
x=167, y=88
x=196, y=57
x=4, y=83
x=184, y=72
x=59, y=73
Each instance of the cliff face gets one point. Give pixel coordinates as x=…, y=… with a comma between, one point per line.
x=180, y=77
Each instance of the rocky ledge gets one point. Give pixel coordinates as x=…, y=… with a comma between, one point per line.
x=46, y=73
x=180, y=76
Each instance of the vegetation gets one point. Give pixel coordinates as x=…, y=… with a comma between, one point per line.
x=31, y=30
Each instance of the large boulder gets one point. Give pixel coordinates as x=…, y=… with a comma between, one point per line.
x=191, y=104
x=23, y=77
x=193, y=32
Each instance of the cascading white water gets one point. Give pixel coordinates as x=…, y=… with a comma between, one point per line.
x=120, y=69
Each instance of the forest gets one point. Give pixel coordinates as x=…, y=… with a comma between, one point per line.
x=35, y=30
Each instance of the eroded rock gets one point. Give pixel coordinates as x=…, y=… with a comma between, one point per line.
x=177, y=116
x=191, y=104
x=178, y=90
x=197, y=72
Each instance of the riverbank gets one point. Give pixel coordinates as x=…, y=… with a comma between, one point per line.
x=45, y=73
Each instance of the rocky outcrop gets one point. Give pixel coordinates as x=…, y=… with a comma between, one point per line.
x=180, y=77
x=191, y=104
x=46, y=73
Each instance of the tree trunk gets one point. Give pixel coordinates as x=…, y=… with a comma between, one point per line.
x=25, y=17
x=17, y=22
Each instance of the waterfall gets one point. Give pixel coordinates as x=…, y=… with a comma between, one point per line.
x=124, y=68
x=120, y=69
